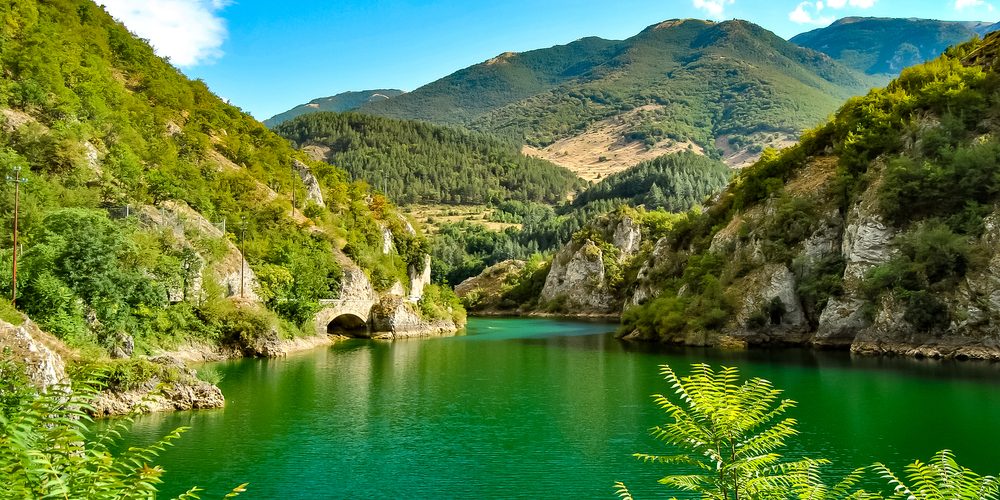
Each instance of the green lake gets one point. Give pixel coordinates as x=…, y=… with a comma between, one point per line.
x=530, y=408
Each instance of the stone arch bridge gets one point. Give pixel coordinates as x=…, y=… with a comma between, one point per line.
x=349, y=317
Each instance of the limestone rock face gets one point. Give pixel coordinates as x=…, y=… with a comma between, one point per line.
x=395, y=318
x=774, y=282
x=313, y=191
x=646, y=289
x=36, y=350
x=396, y=289
x=867, y=243
x=577, y=279
x=485, y=291
x=387, y=245
x=627, y=238
x=355, y=285
x=188, y=393
x=420, y=277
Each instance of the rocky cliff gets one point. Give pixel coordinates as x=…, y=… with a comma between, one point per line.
x=587, y=275
x=879, y=232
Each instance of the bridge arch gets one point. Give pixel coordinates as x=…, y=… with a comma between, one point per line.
x=344, y=317
x=348, y=325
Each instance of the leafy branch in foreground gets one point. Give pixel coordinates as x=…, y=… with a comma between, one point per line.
x=47, y=452
x=940, y=479
x=728, y=434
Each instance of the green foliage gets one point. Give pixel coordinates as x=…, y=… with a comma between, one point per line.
x=210, y=374
x=440, y=302
x=727, y=435
x=702, y=307
x=958, y=182
x=47, y=451
x=415, y=162
x=527, y=286
x=109, y=124
x=673, y=182
x=817, y=282
x=931, y=258
x=759, y=85
x=10, y=314
x=133, y=373
x=728, y=432
x=940, y=479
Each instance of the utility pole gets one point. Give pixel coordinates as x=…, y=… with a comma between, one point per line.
x=243, y=256
x=17, y=180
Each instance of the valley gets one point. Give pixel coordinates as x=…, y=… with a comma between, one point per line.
x=552, y=223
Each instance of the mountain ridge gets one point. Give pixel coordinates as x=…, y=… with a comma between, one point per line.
x=885, y=45
x=344, y=101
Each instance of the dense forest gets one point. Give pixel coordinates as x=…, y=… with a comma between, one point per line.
x=103, y=128
x=414, y=162
x=673, y=182
x=463, y=250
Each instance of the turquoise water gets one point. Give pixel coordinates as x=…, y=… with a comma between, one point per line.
x=529, y=408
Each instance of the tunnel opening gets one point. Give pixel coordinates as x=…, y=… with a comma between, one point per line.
x=347, y=325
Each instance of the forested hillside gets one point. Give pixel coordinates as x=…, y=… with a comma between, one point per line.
x=878, y=231
x=722, y=89
x=884, y=46
x=102, y=127
x=464, y=95
x=415, y=162
x=671, y=182
x=345, y=101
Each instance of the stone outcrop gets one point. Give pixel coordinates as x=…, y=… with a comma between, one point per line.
x=37, y=351
x=627, y=237
x=314, y=192
x=484, y=292
x=764, y=278
x=576, y=281
x=420, y=277
x=395, y=318
x=184, y=392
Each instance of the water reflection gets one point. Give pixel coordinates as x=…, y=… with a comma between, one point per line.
x=529, y=408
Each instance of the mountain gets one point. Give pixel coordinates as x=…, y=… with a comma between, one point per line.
x=878, y=232
x=416, y=162
x=155, y=214
x=344, y=101
x=464, y=95
x=884, y=46
x=598, y=106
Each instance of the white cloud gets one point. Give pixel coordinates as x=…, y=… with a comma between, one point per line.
x=840, y=4
x=972, y=4
x=189, y=32
x=808, y=13
x=713, y=8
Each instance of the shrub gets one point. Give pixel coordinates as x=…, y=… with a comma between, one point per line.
x=47, y=451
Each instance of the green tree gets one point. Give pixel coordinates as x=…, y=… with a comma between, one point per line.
x=728, y=433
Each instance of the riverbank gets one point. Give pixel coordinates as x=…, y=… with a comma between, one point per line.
x=528, y=396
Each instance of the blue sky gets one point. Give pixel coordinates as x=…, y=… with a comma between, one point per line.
x=267, y=56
